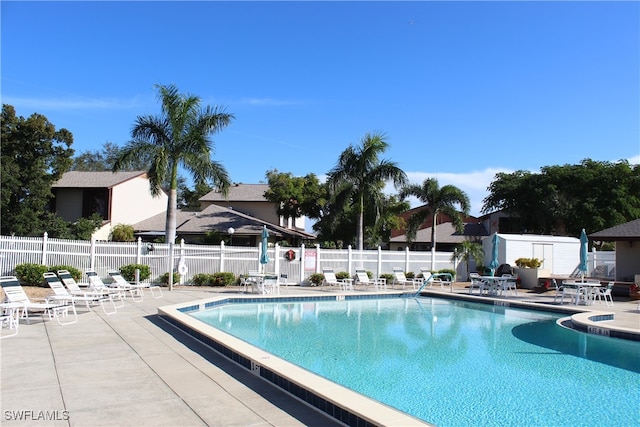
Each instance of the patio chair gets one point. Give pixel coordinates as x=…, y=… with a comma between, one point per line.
x=604, y=293
x=363, y=278
x=9, y=317
x=331, y=280
x=14, y=293
x=123, y=283
x=509, y=285
x=571, y=290
x=476, y=282
x=97, y=285
x=62, y=294
x=401, y=279
x=75, y=289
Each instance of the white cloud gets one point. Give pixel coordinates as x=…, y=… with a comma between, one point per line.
x=71, y=103
x=635, y=160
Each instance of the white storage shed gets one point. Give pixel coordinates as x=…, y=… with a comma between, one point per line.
x=559, y=255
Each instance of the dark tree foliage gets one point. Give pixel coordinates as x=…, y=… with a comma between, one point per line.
x=563, y=200
x=104, y=159
x=34, y=156
x=189, y=200
x=296, y=196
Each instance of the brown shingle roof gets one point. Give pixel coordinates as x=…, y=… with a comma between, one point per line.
x=239, y=193
x=627, y=231
x=445, y=233
x=77, y=179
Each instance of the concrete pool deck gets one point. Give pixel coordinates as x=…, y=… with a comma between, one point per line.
x=132, y=369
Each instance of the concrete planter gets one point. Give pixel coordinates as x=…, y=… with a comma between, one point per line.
x=529, y=276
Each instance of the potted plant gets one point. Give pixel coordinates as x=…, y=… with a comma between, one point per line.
x=529, y=271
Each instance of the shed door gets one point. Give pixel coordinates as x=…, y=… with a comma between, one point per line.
x=544, y=252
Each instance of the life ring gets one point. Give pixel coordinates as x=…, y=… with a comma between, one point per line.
x=290, y=255
x=183, y=269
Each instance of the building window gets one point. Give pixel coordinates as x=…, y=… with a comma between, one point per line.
x=95, y=201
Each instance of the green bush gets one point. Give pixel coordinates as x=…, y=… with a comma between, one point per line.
x=528, y=263
x=31, y=274
x=122, y=233
x=215, y=279
x=316, y=279
x=75, y=273
x=410, y=275
x=164, y=278
x=450, y=271
x=343, y=275
x=129, y=272
x=388, y=277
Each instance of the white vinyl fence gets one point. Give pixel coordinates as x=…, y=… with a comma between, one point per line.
x=103, y=256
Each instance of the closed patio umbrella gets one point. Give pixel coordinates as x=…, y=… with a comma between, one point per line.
x=264, y=256
x=494, y=253
x=582, y=267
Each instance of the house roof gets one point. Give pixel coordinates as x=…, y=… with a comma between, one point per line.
x=238, y=193
x=627, y=231
x=217, y=218
x=81, y=179
x=445, y=233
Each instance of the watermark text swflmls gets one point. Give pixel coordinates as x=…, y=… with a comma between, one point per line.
x=31, y=415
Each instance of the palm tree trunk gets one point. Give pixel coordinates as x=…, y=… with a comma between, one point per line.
x=170, y=226
x=360, y=231
x=433, y=242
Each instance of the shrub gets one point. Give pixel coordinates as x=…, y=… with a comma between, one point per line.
x=122, y=233
x=528, y=263
x=410, y=275
x=216, y=279
x=343, y=275
x=31, y=274
x=388, y=277
x=316, y=279
x=164, y=278
x=450, y=271
x=129, y=272
x=75, y=273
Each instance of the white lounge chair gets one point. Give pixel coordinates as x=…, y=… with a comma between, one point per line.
x=363, y=278
x=9, y=317
x=401, y=279
x=117, y=277
x=14, y=293
x=62, y=294
x=97, y=285
x=330, y=279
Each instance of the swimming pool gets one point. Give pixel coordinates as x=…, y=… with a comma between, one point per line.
x=449, y=362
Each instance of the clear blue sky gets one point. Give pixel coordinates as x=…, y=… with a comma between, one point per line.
x=463, y=90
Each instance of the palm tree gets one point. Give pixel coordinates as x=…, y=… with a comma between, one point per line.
x=360, y=175
x=467, y=251
x=179, y=137
x=438, y=200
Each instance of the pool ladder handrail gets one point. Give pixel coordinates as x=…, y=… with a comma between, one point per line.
x=433, y=276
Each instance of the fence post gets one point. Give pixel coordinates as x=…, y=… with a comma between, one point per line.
x=45, y=239
x=92, y=255
x=276, y=261
x=222, y=249
x=302, y=255
x=406, y=259
x=379, y=262
x=349, y=259
x=139, y=255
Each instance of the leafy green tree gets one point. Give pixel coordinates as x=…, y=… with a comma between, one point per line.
x=189, y=200
x=563, y=200
x=448, y=200
x=34, y=156
x=122, y=233
x=178, y=137
x=359, y=176
x=296, y=196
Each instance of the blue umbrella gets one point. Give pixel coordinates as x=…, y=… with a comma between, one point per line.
x=264, y=257
x=494, y=253
x=583, y=253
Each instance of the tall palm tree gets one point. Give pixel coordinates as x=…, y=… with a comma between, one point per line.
x=360, y=175
x=448, y=200
x=468, y=251
x=178, y=137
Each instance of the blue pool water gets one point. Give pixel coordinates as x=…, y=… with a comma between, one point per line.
x=451, y=363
